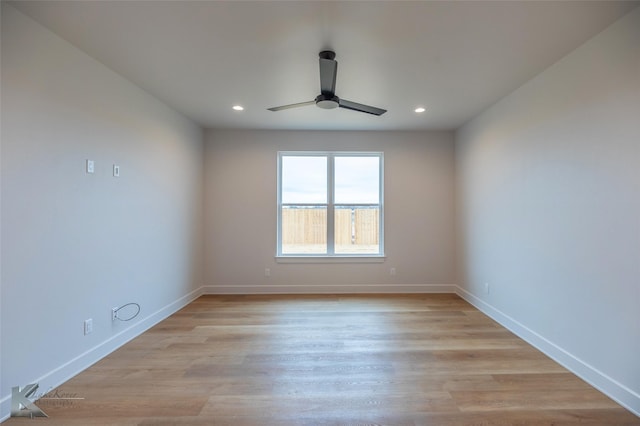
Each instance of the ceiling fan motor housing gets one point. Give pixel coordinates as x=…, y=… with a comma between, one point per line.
x=327, y=101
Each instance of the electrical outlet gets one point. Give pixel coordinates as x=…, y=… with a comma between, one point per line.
x=116, y=170
x=392, y=271
x=114, y=314
x=267, y=272
x=90, y=166
x=487, y=288
x=88, y=326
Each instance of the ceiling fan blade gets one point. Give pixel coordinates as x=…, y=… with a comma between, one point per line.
x=328, y=71
x=360, y=107
x=301, y=104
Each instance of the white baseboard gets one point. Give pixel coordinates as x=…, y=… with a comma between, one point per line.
x=610, y=387
x=60, y=375
x=329, y=289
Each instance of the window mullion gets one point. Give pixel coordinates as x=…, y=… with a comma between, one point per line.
x=330, y=206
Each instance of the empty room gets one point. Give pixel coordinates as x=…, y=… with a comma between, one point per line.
x=320, y=213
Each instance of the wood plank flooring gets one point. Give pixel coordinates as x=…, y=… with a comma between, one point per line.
x=329, y=360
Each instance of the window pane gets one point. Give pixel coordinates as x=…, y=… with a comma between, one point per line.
x=304, y=230
x=357, y=230
x=357, y=180
x=304, y=180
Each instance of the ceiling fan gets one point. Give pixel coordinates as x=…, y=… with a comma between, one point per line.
x=327, y=98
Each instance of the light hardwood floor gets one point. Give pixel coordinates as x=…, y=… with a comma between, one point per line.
x=329, y=360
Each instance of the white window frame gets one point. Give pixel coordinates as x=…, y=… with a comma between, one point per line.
x=331, y=256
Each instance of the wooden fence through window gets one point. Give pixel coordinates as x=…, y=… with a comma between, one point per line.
x=358, y=226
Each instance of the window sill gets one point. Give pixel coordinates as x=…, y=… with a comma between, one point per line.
x=331, y=259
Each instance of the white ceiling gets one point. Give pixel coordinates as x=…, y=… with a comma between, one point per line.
x=201, y=57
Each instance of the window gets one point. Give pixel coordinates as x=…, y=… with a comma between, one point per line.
x=330, y=204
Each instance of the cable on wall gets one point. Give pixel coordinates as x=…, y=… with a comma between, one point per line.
x=114, y=312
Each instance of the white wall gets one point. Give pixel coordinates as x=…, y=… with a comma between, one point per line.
x=73, y=244
x=240, y=199
x=549, y=210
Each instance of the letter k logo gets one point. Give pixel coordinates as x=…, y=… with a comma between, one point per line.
x=20, y=404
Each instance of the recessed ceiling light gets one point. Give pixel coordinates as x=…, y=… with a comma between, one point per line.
x=238, y=108
x=419, y=110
